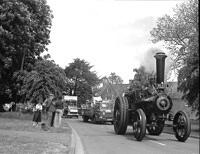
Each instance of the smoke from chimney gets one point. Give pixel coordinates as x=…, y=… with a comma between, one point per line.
x=149, y=63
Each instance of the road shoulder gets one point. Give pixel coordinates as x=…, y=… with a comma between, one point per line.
x=76, y=143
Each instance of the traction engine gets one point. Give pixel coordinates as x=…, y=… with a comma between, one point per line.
x=148, y=108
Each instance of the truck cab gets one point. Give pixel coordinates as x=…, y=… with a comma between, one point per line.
x=98, y=110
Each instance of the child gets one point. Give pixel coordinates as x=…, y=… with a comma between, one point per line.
x=37, y=117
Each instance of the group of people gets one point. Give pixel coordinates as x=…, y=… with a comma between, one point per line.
x=53, y=107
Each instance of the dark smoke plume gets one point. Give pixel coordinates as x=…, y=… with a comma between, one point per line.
x=149, y=62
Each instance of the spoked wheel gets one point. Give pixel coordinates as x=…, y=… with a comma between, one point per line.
x=139, y=124
x=157, y=128
x=120, y=115
x=181, y=126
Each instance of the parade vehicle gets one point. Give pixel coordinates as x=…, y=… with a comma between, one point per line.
x=70, y=106
x=148, y=107
x=98, y=111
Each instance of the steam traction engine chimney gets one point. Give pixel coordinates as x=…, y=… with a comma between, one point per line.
x=160, y=67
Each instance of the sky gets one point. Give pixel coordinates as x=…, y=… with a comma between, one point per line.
x=111, y=35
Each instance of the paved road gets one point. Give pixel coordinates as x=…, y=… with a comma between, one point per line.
x=101, y=139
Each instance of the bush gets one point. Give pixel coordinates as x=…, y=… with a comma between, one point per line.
x=24, y=108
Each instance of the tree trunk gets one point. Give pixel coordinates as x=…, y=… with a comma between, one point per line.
x=22, y=64
x=75, y=86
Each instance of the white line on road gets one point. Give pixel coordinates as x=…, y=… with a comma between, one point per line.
x=158, y=143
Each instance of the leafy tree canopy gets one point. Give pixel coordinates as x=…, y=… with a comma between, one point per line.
x=46, y=77
x=24, y=33
x=114, y=78
x=83, y=79
x=24, y=29
x=180, y=33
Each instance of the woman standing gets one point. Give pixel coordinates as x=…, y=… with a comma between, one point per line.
x=37, y=117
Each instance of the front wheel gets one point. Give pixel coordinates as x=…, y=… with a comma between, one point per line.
x=139, y=124
x=120, y=115
x=181, y=126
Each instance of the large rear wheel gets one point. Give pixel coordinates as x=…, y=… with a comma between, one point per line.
x=181, y=126
x=120, y=117
x=139, y=124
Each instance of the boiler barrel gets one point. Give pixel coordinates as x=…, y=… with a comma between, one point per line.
x=160, y=66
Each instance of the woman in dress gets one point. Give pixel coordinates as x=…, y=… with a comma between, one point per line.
x=37, y=117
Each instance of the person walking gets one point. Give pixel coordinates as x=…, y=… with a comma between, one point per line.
x=59, y=111
x=37, y=117
x=49, y=103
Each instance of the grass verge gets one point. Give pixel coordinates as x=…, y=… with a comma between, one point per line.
x=17, y=135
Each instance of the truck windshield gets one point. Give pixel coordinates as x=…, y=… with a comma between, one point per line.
x=71, y=103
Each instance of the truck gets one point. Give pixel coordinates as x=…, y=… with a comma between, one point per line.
x=70, y=106
x=98, y=110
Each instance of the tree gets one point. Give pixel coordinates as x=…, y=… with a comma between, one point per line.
x=24, y=29
x=24, y=33
x=180, y=33
x=115, y=79
x=46, y=77
x=83, y=79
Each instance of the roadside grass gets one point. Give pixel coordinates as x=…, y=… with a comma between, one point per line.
x=18, y=136
x=16, y=115
x=27, y=145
